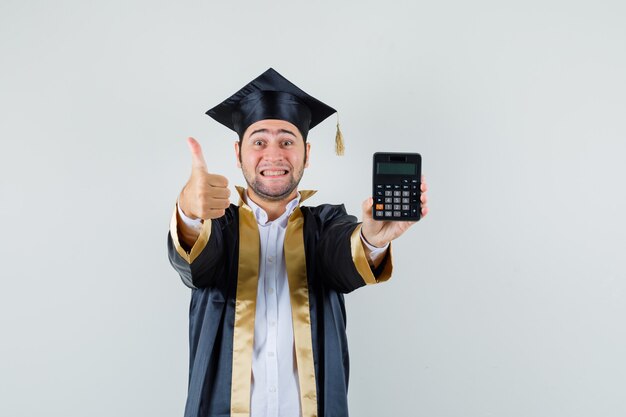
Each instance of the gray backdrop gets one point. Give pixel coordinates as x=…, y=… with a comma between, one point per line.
x=507, y=300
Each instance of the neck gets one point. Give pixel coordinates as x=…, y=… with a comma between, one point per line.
x=273, y=208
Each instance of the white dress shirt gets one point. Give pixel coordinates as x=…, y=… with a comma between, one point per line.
x=274, y=388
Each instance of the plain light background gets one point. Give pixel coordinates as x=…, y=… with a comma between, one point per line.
x=509, y=299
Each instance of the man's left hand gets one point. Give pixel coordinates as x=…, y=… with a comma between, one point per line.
x=379, y=232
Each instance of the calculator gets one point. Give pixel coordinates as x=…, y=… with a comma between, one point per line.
x=397, y=181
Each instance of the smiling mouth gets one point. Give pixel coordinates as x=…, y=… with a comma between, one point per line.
x=274, y=172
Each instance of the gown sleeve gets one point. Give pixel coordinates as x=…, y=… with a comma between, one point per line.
x=341, y=256
x=203, y=263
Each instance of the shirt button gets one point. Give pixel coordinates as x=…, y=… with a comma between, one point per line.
x=270, y=290
x=270, y=259
x=272, y=389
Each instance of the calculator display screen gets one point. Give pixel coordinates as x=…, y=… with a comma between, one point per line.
x=396, y=168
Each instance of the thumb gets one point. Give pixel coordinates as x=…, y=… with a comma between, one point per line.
x=367, y=208
x=197, y=159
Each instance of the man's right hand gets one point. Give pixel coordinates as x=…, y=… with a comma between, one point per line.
x=205, y=196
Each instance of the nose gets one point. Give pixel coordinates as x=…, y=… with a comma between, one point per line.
x=273, y=153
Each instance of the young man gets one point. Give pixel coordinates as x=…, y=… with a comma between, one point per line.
x=267, y=315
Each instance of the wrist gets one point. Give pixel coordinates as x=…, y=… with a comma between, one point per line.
x=373, y=242
x=183, y=208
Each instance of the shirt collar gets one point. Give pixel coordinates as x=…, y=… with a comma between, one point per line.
x=261, y=215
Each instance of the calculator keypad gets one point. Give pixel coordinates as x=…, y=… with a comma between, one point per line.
x=397, y=200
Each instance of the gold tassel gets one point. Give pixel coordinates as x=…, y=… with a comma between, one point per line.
x=339, y=146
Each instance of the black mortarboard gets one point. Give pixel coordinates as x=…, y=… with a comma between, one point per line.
x=272, y=96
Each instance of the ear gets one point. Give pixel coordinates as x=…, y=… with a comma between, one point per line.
x=308, y=154
x=237, y=154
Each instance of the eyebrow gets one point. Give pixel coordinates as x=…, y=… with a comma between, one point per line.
x=268, y=131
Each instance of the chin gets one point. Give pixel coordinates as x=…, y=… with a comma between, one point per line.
x=274, y=193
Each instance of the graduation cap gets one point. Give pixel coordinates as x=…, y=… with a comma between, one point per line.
x=272, y=96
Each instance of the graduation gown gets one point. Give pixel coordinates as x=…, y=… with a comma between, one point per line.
x=324, y=258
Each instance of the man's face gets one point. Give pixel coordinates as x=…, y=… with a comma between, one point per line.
x=272, y=157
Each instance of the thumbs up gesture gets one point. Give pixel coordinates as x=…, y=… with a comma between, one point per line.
x=205, y=196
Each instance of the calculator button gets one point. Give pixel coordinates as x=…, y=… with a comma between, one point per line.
x=388, y=193
x=396, y=186
x=387, y=214
x=379, y=214
x=379, y=193
x=396, y=214
x=397, y=193
x=396, y=206
x=414, y=187
x=406, y=214
x=397, y=200
x=405, y=207
x=379, y=200
x=380, y=206
x=406, y=187
x=379, y=186
x=414, y=181
x=388, y=186
x=405, y=201
x=405, y=180
x=388, y=200
x=406, y=193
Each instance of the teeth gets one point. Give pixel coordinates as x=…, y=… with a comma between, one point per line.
x=272, y=173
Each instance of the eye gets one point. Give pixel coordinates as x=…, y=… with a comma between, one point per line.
x=258, y=142
x=288, y=142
